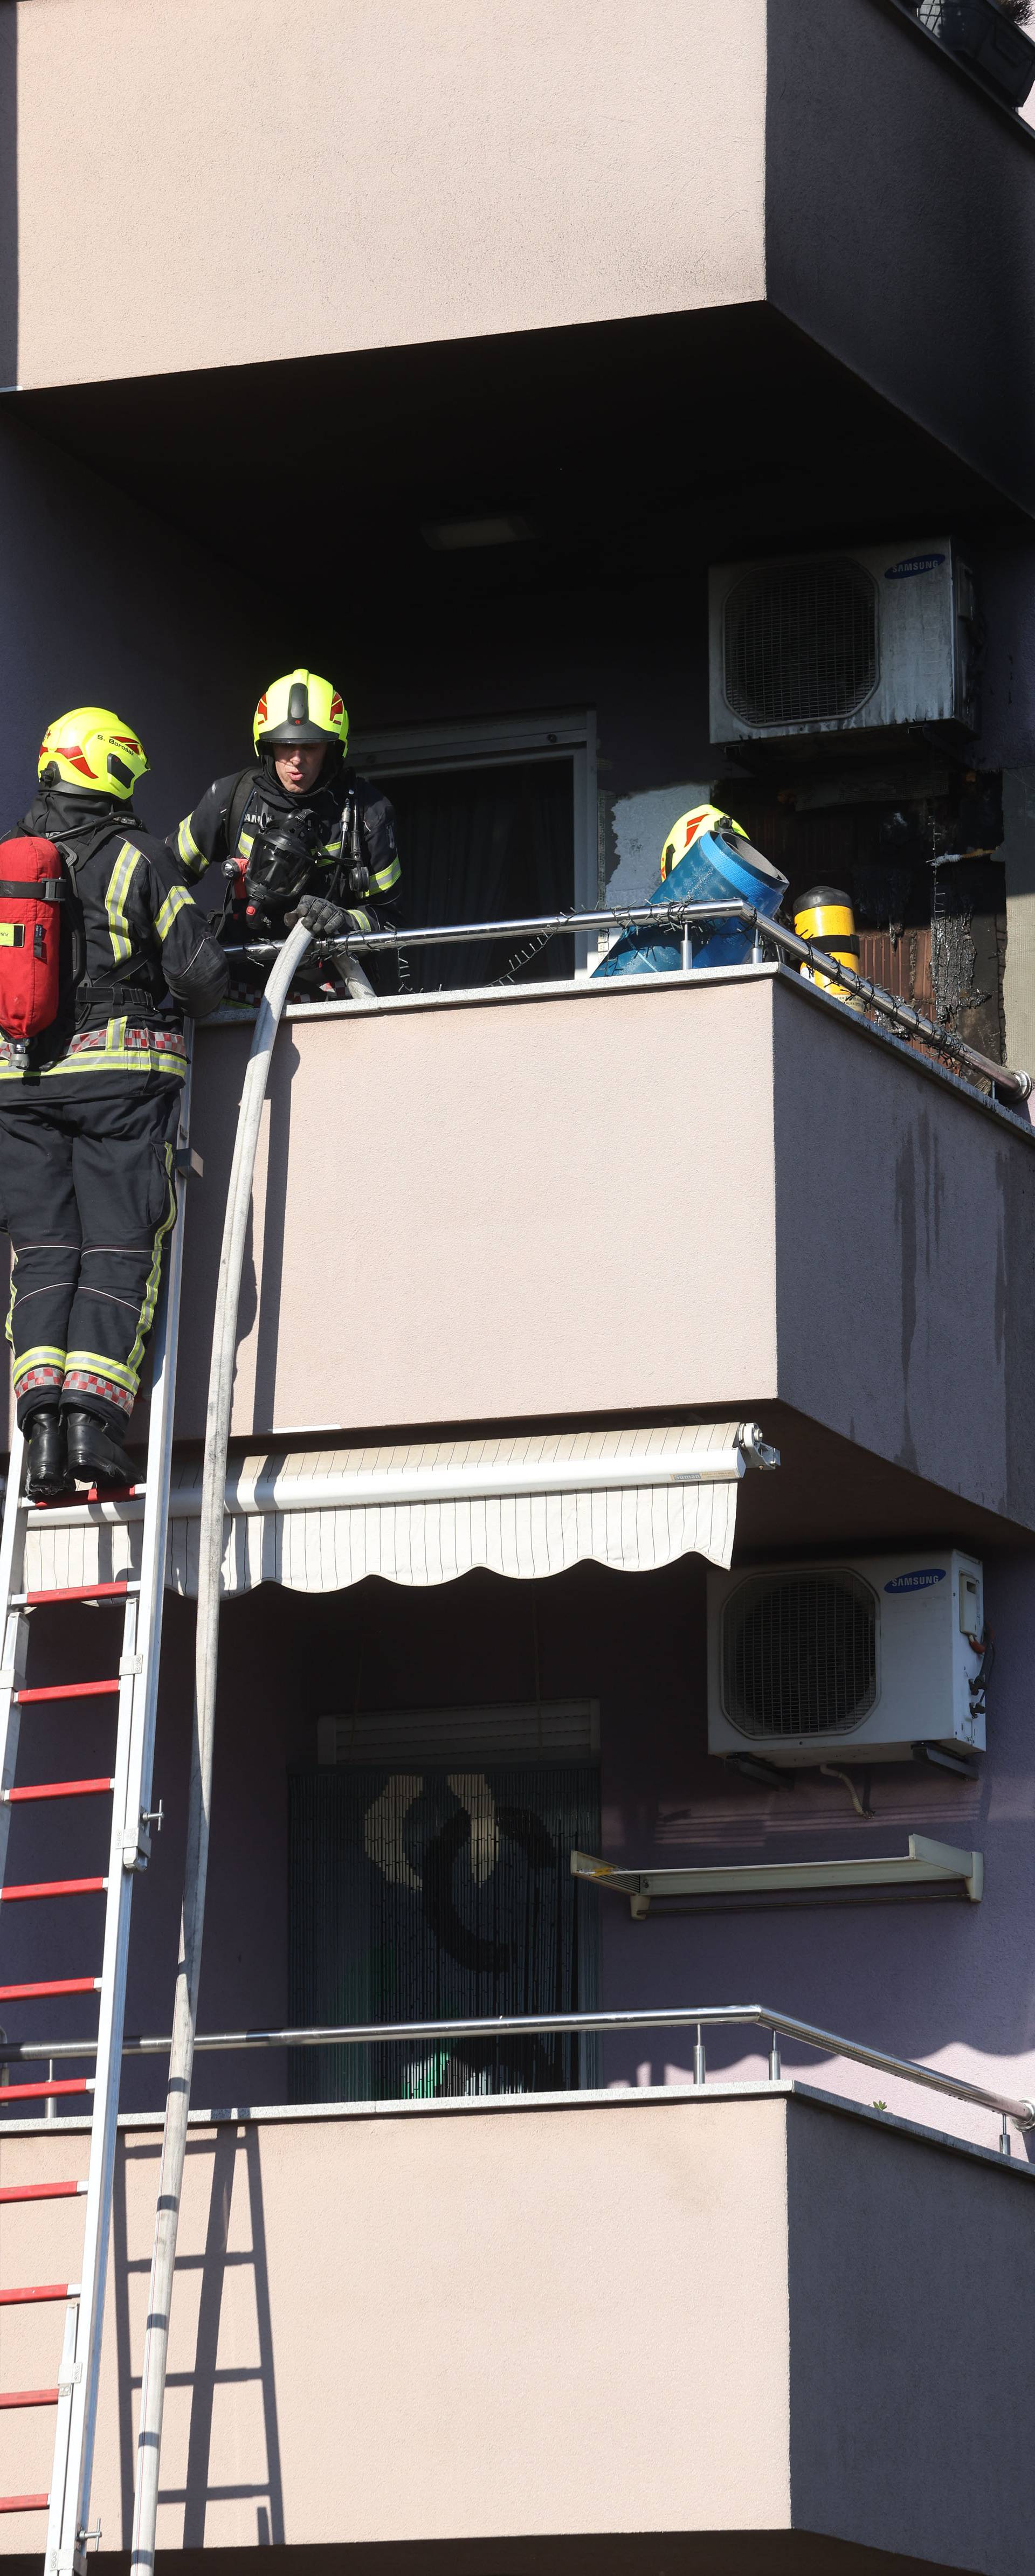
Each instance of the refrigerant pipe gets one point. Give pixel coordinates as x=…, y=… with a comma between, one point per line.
x=185, y=2010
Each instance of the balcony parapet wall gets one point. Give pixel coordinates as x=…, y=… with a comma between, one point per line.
x=625, y=2315
x=619, y=1201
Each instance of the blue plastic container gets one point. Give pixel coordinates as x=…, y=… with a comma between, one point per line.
x=718, y=867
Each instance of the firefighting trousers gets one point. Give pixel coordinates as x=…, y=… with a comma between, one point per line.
x=88, y=1199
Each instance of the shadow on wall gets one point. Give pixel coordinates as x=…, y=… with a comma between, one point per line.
x=234, y=2239
x=8, y=198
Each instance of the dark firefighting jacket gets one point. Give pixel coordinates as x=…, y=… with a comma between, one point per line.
x=131, y=939
x=233, y=805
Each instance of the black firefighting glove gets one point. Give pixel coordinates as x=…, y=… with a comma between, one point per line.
x=328, y=920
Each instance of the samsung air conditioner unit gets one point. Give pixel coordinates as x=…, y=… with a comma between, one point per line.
x=857, y=1660
x=879, y=636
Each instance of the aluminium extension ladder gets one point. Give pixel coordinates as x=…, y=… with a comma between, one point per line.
x=134, y=1683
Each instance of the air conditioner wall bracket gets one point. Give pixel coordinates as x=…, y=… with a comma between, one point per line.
x=926, y=1864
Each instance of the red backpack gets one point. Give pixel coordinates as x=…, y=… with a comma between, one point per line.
x=32, y=886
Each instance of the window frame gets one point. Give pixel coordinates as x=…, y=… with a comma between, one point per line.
x=498, y=742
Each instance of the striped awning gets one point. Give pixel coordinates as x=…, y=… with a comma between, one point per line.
x=319, y=1520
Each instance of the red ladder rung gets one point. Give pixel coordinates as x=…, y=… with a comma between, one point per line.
x=73, y=1592
x=67, y=1690
x=29, y=2397
x=53, y=1887
x=24, y=2504
x=94, y=1494
x=49, y=1986
x=55, y=1789
x=41, y=2191
x=39, y=2290
x=35, y=2092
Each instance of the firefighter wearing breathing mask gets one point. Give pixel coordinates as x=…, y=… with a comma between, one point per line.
x=89, y=1104
x=297, y=831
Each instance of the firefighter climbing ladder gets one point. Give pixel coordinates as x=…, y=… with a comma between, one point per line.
x=132, y=1681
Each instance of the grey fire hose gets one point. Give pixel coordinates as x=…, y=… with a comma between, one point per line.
x=181, y=2056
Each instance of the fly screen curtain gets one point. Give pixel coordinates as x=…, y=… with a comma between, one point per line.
x=486, y=844
x=440, y=1894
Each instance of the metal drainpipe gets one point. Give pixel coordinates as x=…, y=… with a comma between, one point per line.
x=181, y=2057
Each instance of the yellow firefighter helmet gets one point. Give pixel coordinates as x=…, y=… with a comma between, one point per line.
x=300, y=708
x=700, y=818
x=92, y=748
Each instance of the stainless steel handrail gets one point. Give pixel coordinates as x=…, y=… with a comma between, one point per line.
x=677, y=917
x=530, y=2025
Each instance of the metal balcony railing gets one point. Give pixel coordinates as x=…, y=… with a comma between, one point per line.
x=695, y=2017
x=770, y=939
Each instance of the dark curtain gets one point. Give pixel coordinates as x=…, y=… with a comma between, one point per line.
x=486, y=845
x=437, y=1896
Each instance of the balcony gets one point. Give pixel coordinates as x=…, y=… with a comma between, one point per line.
x=648, y=1199
x=785, y=2334
x=532, y=203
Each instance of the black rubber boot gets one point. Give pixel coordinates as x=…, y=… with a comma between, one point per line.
x=94, y=1456
x=48, y=1474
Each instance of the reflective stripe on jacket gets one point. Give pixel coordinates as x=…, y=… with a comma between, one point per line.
x=202, y=836
x=131, y=935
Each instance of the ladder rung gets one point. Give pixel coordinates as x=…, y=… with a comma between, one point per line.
x=39, y=2290
x=95, y=1494
x=54, y=1887
x=55, y=1789
x=29, y=2396
x=35, y=2092
x=49, y=1986
x=73, y=1592
x=68, y=1690
x=24, y=2504
x=41, y=2191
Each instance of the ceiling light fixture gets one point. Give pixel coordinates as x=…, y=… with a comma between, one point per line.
x=451, y=536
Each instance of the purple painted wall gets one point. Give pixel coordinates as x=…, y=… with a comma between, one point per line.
x=938, y=1980
x=103, y=604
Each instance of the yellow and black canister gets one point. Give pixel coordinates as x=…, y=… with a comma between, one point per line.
x=824, y=915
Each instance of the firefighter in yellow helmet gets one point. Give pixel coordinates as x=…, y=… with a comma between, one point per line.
x=89, y=1105
x=297, y=829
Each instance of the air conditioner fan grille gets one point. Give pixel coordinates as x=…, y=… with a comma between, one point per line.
x=799, y=1655
x=800, y=643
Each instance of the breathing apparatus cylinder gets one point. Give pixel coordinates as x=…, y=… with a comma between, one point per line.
x=825, y=917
